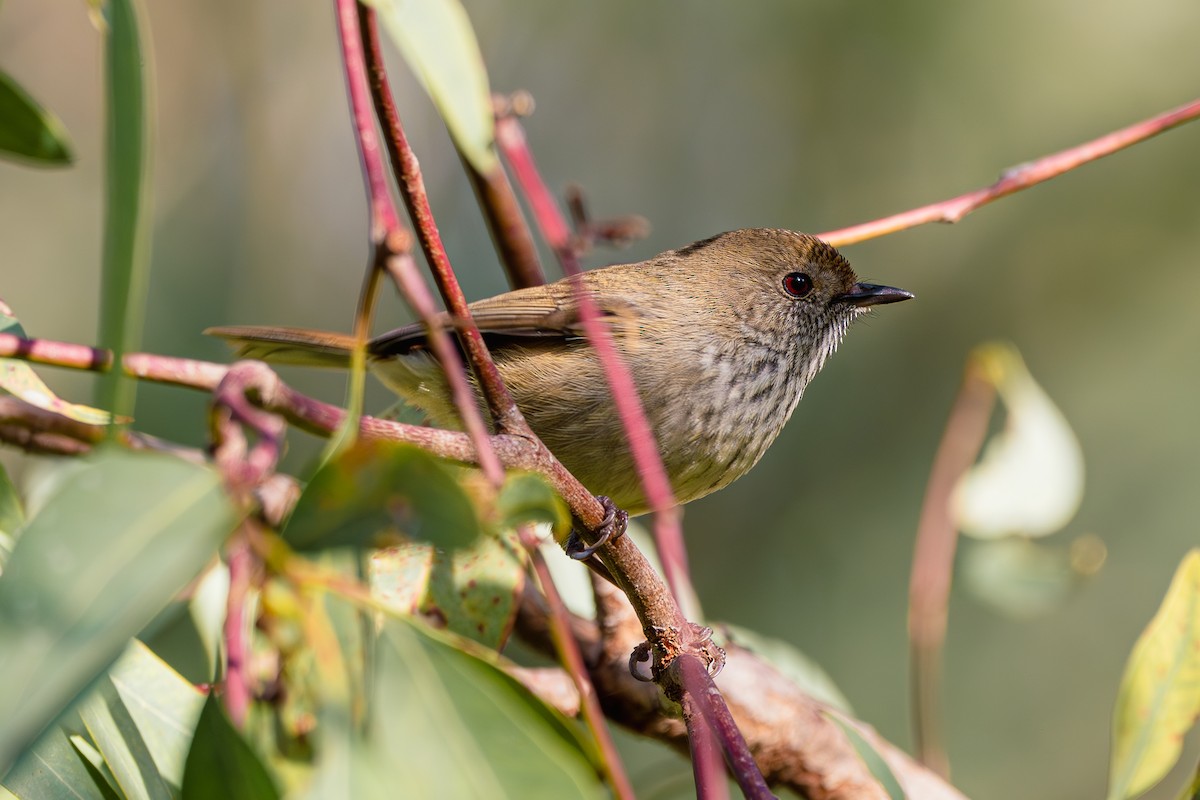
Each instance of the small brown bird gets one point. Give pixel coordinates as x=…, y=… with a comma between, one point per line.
x=722, y=337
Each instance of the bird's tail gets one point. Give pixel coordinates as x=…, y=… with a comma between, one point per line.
x=288, y=345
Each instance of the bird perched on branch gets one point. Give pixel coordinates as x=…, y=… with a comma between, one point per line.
x=722, y=337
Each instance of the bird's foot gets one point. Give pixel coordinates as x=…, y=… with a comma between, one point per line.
x=611, y=528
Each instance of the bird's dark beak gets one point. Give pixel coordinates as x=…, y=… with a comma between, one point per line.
x=870, y=294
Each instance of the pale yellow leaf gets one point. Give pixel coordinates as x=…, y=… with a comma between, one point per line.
x=1160, y=691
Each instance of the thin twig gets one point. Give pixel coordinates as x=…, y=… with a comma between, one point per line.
x=662, y=621
x=683, y=641
x=567, y=650
x=238, y=694
x=1016, y=179
x=17, y=412
x=933, y=561
x=407, y=172
x=244, y=467
x=506, y=224
x=655, y=484
x=392, y=243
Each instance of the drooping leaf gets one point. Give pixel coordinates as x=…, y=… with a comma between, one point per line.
x=459, y=727
x=125, y=268
x=1160, y=690
x=871, y=757
x=436, y=39
x=1030, y=479
x=124, y=533
x=221, y=764
x=18, y=379
x=28, y=131
x=793, y=664
x=372, y=489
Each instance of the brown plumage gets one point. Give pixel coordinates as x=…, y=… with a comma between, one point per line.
x=722, y=337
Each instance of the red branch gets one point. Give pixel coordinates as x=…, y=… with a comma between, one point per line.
x=694, y=692
x=365, y=80
x=507, y=416
x=657, y=487
x=567, y=649
x=407, y=172
x=1016, y=179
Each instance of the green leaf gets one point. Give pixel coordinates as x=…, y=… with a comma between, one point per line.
x=221, y=764
x=528, y=498
x=96, y=767
x=126, y=274
x=436, y=39
x=12, y=516
x=122, y=745
x=18, y=379
x=1018, y=576
x=162, y=704
x=870, y=756
x=123, y=534
x=29, y=131
x=399, y=575
x=1030, y=478
x=373, y=488
x=1160, y=691
x=793, y=664
x=474, y=590
x=53, y=770
x=457, y=726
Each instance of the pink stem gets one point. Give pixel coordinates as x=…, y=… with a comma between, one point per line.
x=1016, y=179
x=668, y=531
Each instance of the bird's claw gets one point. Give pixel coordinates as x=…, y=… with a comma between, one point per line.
x=612, y=527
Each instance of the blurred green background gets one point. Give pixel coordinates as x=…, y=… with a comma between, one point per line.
x=802, y=115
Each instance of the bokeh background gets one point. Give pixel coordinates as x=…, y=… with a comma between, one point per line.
x=810, y=116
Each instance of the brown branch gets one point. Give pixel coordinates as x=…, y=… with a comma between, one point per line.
x=612, y=232
x=40, y=442
x=1016, y=179
x=40, y=421
x=793, y=742
x=506, y=224
x=933, y=560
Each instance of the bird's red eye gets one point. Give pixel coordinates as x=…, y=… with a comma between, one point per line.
x=797, y=284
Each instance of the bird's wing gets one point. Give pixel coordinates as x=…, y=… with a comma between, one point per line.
x=542, y=312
